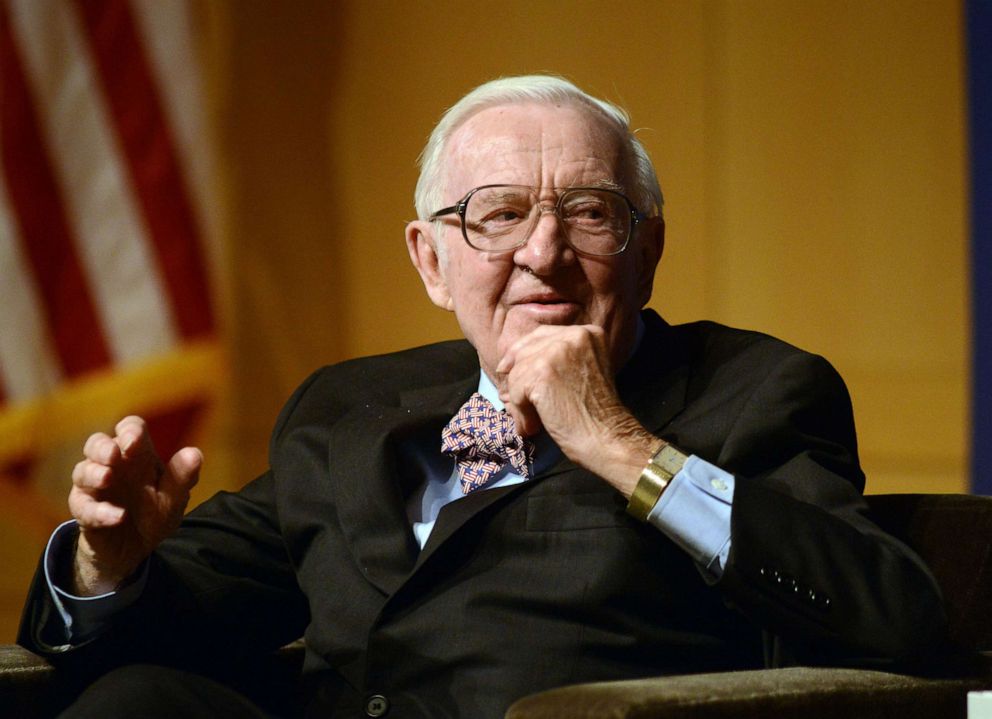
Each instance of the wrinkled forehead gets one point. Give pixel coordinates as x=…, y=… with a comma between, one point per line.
x=542, y=144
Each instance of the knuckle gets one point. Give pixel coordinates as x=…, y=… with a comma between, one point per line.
x=544, y=365
x=98, y=476
x=131, y=421
x=103, y=450
x=92, y=442
x=589, y=334
x=79, y=504
x=90, y=475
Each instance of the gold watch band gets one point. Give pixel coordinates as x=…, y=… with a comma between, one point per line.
x=655, y=477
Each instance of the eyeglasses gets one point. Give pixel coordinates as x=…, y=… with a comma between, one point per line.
x=500, y=218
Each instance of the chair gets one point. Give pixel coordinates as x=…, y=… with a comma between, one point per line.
x=952, y=533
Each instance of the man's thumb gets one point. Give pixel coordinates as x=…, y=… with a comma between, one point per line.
x=185, y=466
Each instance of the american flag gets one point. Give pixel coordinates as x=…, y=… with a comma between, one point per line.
x=107, y=211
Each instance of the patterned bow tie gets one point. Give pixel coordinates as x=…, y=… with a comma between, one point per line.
x=482, y=441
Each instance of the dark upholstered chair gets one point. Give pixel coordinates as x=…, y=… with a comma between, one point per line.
x=953, y=534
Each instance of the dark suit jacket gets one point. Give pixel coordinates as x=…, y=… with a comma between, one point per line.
x=540, y=584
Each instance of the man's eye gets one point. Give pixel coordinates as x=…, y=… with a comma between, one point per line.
x=502, y=217
x=588, y=212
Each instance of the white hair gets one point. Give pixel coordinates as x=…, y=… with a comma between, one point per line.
x=645, y=191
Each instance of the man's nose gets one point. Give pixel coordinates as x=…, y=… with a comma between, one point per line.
x=546, y=248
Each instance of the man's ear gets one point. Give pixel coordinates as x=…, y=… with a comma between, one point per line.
x=651, y=246
x=421, y=244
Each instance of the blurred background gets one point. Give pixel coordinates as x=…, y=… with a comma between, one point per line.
x=201, y=201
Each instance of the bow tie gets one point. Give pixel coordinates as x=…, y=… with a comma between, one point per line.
x=482, y=441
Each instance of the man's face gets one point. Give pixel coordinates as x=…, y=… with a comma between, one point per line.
x=500, y=297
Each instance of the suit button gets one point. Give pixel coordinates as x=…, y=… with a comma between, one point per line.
x=377, y=706
x=819, y=600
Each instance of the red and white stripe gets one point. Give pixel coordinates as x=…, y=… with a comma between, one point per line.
x=104, y=189
x=24, y=333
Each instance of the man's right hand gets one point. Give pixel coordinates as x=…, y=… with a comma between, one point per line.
x=126, y=501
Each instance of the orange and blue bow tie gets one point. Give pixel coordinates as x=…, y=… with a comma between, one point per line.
x=483, y=441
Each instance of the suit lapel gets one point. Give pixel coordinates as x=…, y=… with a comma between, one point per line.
x=653, y=384
x=455, y=515
x=375, y=476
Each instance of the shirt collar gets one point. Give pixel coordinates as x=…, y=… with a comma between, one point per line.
x=488, y=390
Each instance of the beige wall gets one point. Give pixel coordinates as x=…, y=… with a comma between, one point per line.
x=812, y=154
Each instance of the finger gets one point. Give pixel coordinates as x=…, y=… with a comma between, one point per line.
x=90, y=513
x=525, y=416
x=534, y=339
x=181, y=475
x=89, y=475
x=541, y=339
x=527, y=420
x=516, y=396
x=530, y=343
x=519, y=406
x=184, y=468
x=101, y=448
x=132, y=437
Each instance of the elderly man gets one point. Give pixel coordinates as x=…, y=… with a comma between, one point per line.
x=654, y=499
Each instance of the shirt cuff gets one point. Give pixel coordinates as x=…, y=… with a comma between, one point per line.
x=85, y=617
x=694, y=511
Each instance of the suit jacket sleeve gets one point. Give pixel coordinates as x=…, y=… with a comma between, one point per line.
x=223, y=584
x=806, y=562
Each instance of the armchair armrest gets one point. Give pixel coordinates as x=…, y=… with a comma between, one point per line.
x=810, y=693
x=24, y=680
x=30, y=687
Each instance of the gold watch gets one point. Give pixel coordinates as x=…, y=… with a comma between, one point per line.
x=655, y=477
